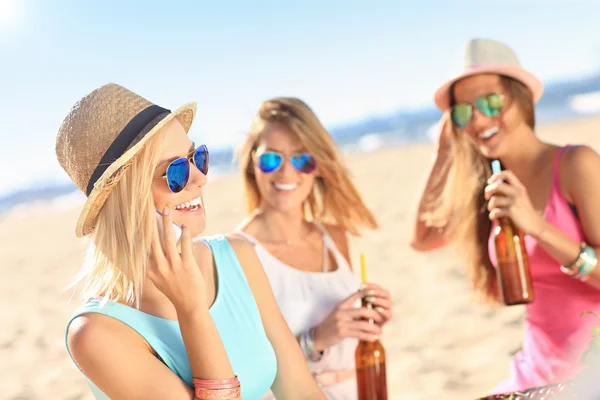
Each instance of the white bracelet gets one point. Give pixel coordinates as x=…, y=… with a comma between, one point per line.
x=307, y=344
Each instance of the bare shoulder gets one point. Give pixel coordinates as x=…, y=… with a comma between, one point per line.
x=91, y=336
x=337, y=233
x=254, y=272
x=576, y=158
x=245, y=252
x=340, y=237
x=202, y=250
x=240, y=244
x=579, y=166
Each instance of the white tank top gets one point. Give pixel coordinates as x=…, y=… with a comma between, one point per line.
x=306, y=298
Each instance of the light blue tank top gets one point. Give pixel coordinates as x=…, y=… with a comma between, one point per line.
x=235, y=314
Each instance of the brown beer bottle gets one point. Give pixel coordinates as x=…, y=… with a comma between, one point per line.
x=370, y=361
x=514, y=276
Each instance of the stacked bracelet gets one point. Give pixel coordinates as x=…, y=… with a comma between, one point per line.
x=206, y=389
x=584, y=265
x=307, y=344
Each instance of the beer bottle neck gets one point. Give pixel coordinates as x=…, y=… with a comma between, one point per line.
x=504, y=222
x=508, y=226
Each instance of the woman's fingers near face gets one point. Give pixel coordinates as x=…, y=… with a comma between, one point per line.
x=187, y=251
x=169, y=235
x=158, y=253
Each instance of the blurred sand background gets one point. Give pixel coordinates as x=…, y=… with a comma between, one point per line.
x=440, y=343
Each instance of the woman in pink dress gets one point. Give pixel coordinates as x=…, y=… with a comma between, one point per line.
x=550, y=192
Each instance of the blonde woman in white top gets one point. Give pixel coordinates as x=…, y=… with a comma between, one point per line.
x=301, y=205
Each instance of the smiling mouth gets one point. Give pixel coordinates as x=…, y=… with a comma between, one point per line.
x=285, y=187
x=192, y=205
x=488, y=133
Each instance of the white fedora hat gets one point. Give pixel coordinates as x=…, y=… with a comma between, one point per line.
x=485, y=56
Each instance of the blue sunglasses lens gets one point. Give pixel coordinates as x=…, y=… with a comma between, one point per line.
x=269, y=162
x=201, y=159
x=178, y=174
x=304, y=163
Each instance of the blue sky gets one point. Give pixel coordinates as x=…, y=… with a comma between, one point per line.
x=347, y=59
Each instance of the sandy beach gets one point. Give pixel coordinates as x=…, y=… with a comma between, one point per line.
x=439, y=343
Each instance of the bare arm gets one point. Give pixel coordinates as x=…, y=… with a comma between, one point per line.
x=120, y=362
x=294, y=380
x=206, y=352
x=426, y=238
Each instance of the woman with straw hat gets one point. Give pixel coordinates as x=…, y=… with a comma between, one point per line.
x=550, y=192
x=302, y=204
x=163, y=318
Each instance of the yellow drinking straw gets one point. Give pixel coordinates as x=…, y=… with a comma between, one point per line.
x=363, y=268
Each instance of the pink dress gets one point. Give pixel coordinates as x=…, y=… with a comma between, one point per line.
x=555, y=334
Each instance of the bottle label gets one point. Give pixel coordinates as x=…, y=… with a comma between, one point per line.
x=513, y=270
x=507, y=243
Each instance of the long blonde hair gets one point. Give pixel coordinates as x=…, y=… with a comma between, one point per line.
x=117, y=257
x=334, y=198
x=461, y=210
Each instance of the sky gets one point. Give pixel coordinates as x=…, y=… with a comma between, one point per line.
x=347, y=59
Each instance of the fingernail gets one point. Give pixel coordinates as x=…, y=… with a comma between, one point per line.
x=379, y=309
x=370, y=299
x=369, y=292
x=166, y=211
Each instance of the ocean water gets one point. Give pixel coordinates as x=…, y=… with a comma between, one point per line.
x=561, y=100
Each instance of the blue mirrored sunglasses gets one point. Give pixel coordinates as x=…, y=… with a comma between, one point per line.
x=178, y=171
x=272, y=161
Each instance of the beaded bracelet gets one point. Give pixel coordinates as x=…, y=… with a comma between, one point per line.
x=588, y=265
x=584, y=265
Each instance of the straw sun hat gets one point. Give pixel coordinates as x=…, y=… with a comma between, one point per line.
x=485, y=56
x=100, y=137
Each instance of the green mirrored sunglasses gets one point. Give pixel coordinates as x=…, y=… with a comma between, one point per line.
x=489, y=105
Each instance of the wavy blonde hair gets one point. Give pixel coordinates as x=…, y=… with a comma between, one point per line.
x=334, y=198
x=119, y=250
x=461, y=210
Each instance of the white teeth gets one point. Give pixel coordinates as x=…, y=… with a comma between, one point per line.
x=489, y=133
x=285, y=186
x=192, y=204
